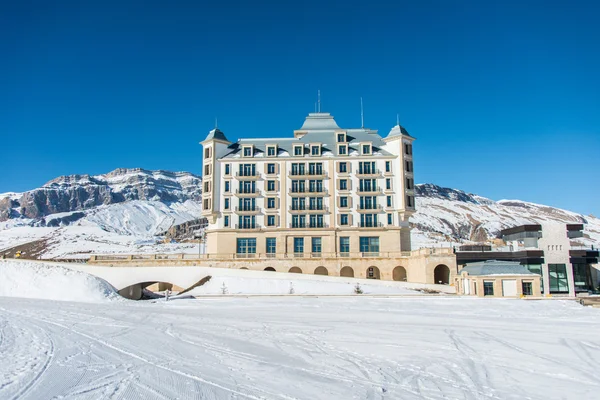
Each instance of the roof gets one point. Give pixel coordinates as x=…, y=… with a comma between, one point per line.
x=216, y=134
x=398, y=130
x=320, y=128
x=495, y=267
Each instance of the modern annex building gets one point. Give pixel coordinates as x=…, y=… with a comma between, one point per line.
x=326, y=200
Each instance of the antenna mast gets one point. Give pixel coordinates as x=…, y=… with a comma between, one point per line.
x=398, y=119
x=319, y=99
x=216, y=123
x=362, y=114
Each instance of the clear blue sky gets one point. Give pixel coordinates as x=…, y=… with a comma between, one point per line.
x=503, y=96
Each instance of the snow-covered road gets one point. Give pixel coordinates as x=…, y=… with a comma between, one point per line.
x=299, y=348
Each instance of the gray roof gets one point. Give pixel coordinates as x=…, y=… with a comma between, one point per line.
x=216, y=134
x=320, y=128
x=495, y=267
x=397, y=131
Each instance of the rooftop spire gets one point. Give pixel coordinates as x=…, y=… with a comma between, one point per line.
x=398, y=119
x=362, y=114
x=216, y=123
x=319, y=99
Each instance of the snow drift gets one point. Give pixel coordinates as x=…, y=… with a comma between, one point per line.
x=52, y=282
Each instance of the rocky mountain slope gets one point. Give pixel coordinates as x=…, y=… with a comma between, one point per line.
x=132, y=210
x=83, y=192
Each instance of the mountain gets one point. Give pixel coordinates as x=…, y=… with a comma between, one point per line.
x=449, y=216
x=133, y=210
x=83, y=192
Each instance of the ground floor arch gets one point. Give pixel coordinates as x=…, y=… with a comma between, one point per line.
x=321, y=271
x=441, y=274
x=373, y=273
x=347, y=272
x=269, y=269
x=243, y=268
x=295, y=270
x=399, y=274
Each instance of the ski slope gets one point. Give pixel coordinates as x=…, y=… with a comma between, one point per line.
x=288, y=347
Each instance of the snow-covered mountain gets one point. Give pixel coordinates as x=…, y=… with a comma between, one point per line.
x=449, y=216
x=83, y=192
x=124, y=211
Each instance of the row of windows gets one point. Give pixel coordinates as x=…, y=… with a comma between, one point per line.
x=364, y=167
x=310, y=221
x=300, y=150
x=368, y=244
x=488, y=288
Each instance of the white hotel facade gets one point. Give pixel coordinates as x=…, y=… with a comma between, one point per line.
x=326, y=200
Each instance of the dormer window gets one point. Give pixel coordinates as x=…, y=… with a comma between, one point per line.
x=271, y=151
x=315, y=150
x=247, y=151
x=298, y=151
x=341, y=137
x=342, y=149
x=366, y=149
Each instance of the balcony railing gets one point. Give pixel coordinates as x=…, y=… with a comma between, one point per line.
x=314, y=210
x=243, y=193
x=373, y=209
x=308, y=175
x=248, y=176
x=307, y=192
x=247, y=210
x=370, y=225
x=368, y=190
x=248, y=227
x=308, y=226
x=370, y=172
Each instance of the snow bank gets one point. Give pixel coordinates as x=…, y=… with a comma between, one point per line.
x=52, y=282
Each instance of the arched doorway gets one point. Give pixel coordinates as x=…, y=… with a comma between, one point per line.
x=441, y=274
x=321, y=271
x=295, y=270
x=243, y=268
x=347, y=272
x=399, y=274
x=269, y=269
x=373, y=273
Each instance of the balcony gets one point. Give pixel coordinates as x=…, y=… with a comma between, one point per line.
x=373, y=210
x=247, y=210
x=248, y=227
x=368, y=191
x=308, y=193
x=370, y=173
x=309, y=210
x=247, y=177
x=308, y=175
x=373, y=225
x=239, y=193
x=309, y=226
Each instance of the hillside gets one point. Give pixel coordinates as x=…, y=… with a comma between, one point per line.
x=128, y=211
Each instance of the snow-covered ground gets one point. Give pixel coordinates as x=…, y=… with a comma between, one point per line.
x=294, y=347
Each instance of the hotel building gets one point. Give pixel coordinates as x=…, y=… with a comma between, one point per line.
x=325, y=197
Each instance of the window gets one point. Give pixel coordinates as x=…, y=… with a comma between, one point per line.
x=368, y=221
x=366, y=149
x=388, y=184
x=368, y=202
x=558, y=278
x=369, y=245
x=298, y=221
x=581, y=276
x=271, y=202
x=298, y=150
x=271, y=245
x=343, y=184
x=316, y=245
x=248, y=187
x=343, y=167
x=410, y=201
x=246, y=246
x=344, y=246
x=246, y=222
x=206, y=204
x=271, y=186
x=389, y=201
x=315, y=203
x=488, y=288
x=343, y=219
x=270, y=152
x=527, y=288
x=367, y=167
x=227, y=204
x=270, y=220
x=315, y=186
x=342, y=149
x=341, y=137
x=206, y=187
x=226, y=221
x=408, y=149
x=227, y=186
x=247, y=204
x=270, y=169
x=388, y=166
x=315, y=150
x=298, y=186
x=316, y=221
x=298, y=245
x=227, y=169
x=247, y=151
x=207, y=152
x=343, y=202
x=410, y=183
x=207, y=170
x=390, y=219
x=409, y=166
x=315, y=168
